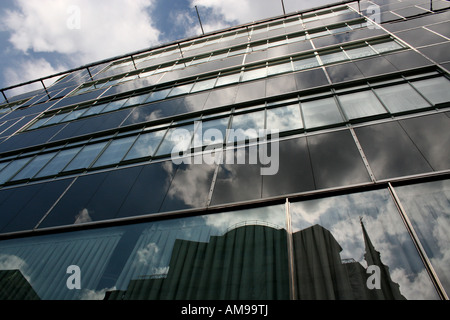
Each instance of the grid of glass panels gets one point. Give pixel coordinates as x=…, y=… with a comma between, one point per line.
x=329, y=109
x=138, y=62
x=255, y=72
x=356, y=234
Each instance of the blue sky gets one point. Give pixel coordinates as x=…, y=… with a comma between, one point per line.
x=41, y=37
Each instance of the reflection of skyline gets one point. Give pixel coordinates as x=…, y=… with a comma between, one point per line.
x=250, y=262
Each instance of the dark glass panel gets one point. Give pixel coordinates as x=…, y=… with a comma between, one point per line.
x=401, y=98
x=375, y=66
x=438, y=52
x=280, y=85
x=221, y=97
x=31, y=138
x=419, y=37
x=12, y=168
x=148, y=192
x=190, y=186
x=86, y=156
x=361, y=104
x=72, y=206
x=407, y=60
x=436, y=90
x=310, y=79
x=321, y=113
x=35, y=209
x=345, y=244
x=34, y=166
x=238, y=178
x=284, y=118
x=16, y=200
x=390, y=151
x=251, y=91
x=246, y=126
x=58, y=163
x=344, y=72
x=115, y=151
x=180, y=258
x=211, y=132
x=429, y=134
x=145, y=145
x=336, y=160
x=426, y=206
x=292, y=169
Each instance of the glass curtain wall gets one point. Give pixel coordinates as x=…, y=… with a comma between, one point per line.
x=350, y=246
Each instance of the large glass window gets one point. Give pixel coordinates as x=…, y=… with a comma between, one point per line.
x=115, y=151
x=322, y=112
x=145, y=145
x=58, y=162
x=34, y=166
x=247, y=126
x=345, y=245
x=86, y=156
x=436, y=90
x=427, y=206
x=12, y=168
x=284, y=118
x=401, y=98
x=177, y=140
x=231, y=255
x=361, y=104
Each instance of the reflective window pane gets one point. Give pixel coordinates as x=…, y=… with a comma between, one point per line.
x=305, y=63
x=204, y=85
x=319, y=113
x=181, y=89
x=436, y=90
x=176, y=140
x=227, y=79
x=390, y=151
x=401, y=98
x=284, y=118
x=86, y=156
x=12, y=168
x=145, y=145
x=254, y=74
x=427, y=207
x=361, y=52
x=145, y=260
x=158, y=95
x=386, y=46
x=361, y=104
x=246, y=126
x=34, y=166
x=333, y=57
x=339, y=241
x=289, y=170
x=58, y=162
x=115, y=152
x=211, y=132
x=336, y=160
x=279, y=68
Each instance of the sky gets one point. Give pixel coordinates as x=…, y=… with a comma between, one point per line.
x=39, y=38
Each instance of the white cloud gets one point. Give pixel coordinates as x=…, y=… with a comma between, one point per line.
x=245, y=11
x=27, y=70
x=106, y=27
x=83, y=31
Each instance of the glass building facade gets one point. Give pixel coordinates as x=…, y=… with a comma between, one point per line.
x=357, y=206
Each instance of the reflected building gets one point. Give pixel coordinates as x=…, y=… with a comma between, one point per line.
x=343, y=112
x=241, y=265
